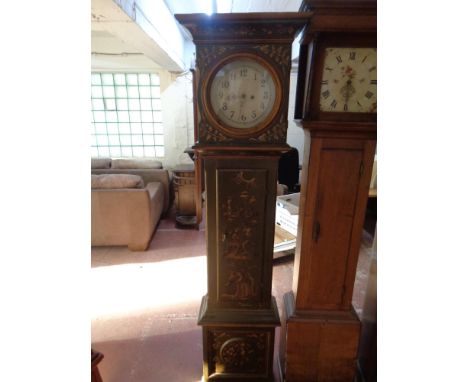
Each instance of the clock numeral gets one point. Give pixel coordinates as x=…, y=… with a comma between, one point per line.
x=225, y=84
x=338, y=58
x=232, y=76
x=255, y=76
x=243, y=118
x=324, y=82
x=262, y=106
x=262, y=83
x=265, y=95
x=220, y=94
x=369, y=95
x=329, y=69
x=232, y=114
x=364, y=59
x=372, y=69
x=352, y=55
x=373, y=82
x=345, y=107
x=243, y=72
x=326, y=94
x=334, y=103
x=224, y=106
x=254, y=114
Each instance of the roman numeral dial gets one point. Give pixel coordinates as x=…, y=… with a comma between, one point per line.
x=349, y=80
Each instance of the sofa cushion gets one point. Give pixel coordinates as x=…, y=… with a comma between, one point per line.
x=106, y=181
x=100, y=162
x=135, y=163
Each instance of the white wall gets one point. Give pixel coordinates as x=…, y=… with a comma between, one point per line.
x=177, y=105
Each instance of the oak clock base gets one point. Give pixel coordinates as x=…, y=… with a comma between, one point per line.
x=321, y=345
x=238, y=344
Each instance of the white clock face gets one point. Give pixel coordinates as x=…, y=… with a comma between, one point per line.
x=243, y=93
x=349, y=80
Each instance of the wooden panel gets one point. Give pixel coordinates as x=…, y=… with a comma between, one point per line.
x=241, y=218
x=337, y=174
x=238, y=354
x=302, y=349
x=336, y=197
x=321, y=350
x=240, y=201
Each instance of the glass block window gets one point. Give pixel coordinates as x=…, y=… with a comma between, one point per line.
x=126, y=117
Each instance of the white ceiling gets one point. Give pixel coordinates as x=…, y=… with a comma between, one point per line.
x=235, y=6
x=112, y=46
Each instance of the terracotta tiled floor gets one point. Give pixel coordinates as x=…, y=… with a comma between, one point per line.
x=145, y=305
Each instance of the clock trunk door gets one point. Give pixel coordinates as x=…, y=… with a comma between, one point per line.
x=331, y=200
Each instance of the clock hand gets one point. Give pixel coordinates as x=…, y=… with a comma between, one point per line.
x=348, y=90
x=348, y=84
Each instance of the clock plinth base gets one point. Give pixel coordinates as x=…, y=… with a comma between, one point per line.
x=321, y=345
x=238, y=344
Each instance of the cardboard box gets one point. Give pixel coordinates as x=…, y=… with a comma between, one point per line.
x=287, y=212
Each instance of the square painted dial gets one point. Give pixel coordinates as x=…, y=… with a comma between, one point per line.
x=349, y=80
x=243, y=94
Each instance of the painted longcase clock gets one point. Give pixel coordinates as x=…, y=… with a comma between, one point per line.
x=336, y=105
x=243, y=66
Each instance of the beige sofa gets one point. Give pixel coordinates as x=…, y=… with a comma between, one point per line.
x=128, y=198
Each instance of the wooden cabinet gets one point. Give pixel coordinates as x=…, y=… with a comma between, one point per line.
x=321, y=327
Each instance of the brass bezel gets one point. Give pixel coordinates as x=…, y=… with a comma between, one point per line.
x=235, y=131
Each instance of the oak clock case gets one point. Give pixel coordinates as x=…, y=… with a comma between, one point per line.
x=336, y=105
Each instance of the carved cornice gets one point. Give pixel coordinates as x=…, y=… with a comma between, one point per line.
x=226, y=27
x=317, y=5
x=339, y=16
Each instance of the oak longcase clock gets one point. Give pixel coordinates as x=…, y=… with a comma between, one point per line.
x=243, y=65
x=336, y=105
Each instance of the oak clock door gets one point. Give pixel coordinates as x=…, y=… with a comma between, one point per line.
x=333, y=197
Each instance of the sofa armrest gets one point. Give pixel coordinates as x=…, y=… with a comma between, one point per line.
x=148, y=175
x=157, y=199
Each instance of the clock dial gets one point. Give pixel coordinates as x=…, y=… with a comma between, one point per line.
x=349, y=80
x=243, y=94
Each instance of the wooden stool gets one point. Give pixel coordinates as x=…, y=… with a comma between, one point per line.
x=96, y=357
